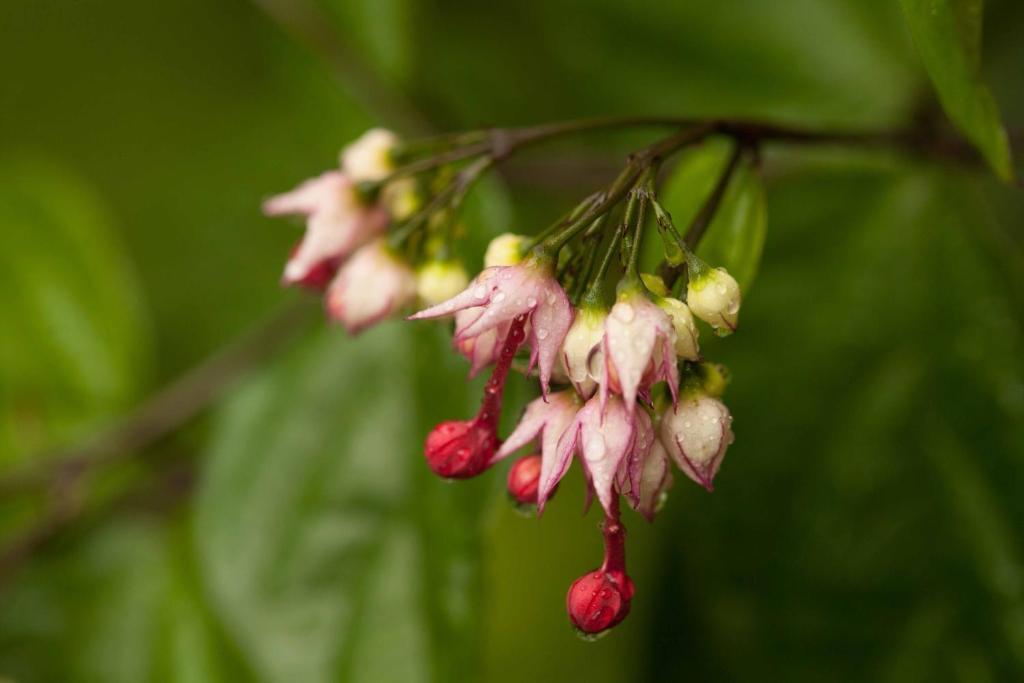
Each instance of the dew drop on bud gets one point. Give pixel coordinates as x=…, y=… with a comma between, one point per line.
x=597, y=601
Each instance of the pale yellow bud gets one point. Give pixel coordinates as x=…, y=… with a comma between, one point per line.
x=368, y=158
x=438, y=281
x=504, y=250
x=714, y=297
x=685, y=327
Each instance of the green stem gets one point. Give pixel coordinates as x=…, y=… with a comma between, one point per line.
x=623, y=183
x=595, y=294
x=451, y=195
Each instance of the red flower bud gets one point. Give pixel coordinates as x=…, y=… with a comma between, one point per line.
x=523, y=480
x=459, y=449
x=599, y=600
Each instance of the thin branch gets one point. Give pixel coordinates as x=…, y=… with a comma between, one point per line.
x=160, y=493
x=165, y=411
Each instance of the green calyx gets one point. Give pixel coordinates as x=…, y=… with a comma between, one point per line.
x=703, y=379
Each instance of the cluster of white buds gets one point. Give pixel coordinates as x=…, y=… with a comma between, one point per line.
x=624, y=387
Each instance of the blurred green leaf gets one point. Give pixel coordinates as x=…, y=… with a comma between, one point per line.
x=75, y=338
x=735, y=238
x=119, y=606
x=947, y=34
x=848, y=490
x=330, y=549
x=380, y=32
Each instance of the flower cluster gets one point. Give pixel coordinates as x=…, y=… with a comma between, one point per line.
x=624, y=389
x=344, y=251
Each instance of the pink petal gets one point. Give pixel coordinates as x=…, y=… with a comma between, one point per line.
x=530, y=425
x=631, y=342
x=308, y=196
x=477, y=294
x=552, y=471
x=551, y=321
x=604, y=443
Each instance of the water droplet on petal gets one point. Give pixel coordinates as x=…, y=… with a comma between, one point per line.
x=531, y=302
x=498, y=298
x=480, y=292
x=542, y=333
x=623, y=312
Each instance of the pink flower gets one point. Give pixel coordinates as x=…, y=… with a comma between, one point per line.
x=644, y=476
x=696, y=433
x=371, y=286
x=503, y=293
x=640, y=350
x=604, y=438
x=547, y=419
x=337, y=224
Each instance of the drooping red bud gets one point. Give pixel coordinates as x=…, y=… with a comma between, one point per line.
x=523, y=480
x=459, y=449
x=599, y=600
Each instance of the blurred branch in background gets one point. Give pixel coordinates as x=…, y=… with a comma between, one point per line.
x=61, y=475
x=310, y=26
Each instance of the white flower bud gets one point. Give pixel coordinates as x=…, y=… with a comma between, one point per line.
x=438, y=281
x=696, y=434
x=686, y=329
x=582, y=355
x=368, y=158
x=714, y=297
x=504, y=250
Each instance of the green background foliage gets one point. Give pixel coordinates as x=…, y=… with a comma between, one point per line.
x=867, y=524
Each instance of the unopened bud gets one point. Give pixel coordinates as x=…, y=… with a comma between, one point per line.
x=523, y=480
x=654, y=284
x=582, y=356
x=504, y=250
x=599, y=600
x=696, y=434
x=438, y=281
x=686, y=329
x=401, y=198
x=714, y=296
x=460, y=449
x=369, y=156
